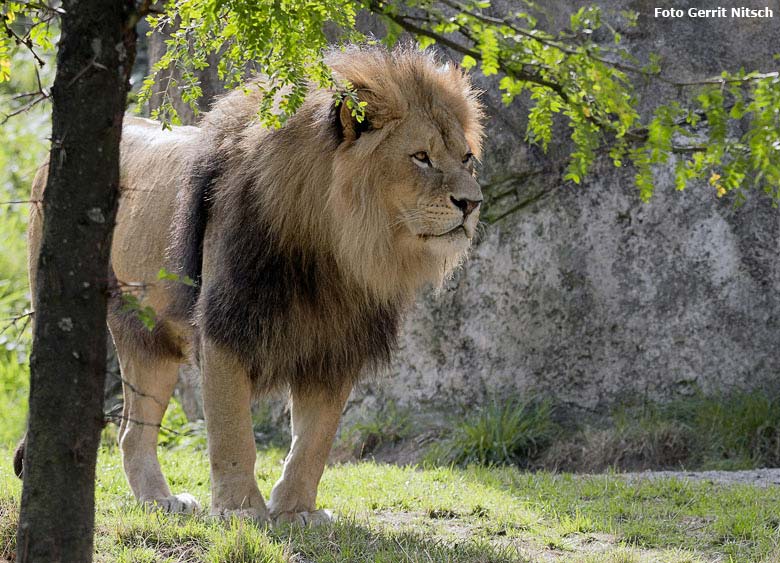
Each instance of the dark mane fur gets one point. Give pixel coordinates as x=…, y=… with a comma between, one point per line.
x=185, y=252
x=288, y=313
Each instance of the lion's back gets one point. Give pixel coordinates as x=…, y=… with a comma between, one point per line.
x=154, y=166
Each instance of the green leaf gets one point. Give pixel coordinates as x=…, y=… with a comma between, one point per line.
x=468, y=62
x=424, y=41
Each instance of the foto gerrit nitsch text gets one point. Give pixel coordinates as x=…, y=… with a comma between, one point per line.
x=719, y=12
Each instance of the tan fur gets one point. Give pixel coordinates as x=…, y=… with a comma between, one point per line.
x=416, y=104
x=349, y=219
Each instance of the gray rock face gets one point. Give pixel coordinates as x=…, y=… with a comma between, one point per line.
x=589, y=295
x=586, y=293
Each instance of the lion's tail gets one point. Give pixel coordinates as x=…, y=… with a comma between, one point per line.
x=19, y=457
x=185, y=253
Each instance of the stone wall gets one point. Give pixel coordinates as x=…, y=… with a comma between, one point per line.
x=586, y=293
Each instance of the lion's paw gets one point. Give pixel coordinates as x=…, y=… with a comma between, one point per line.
x=183, y=503
x=314, y=518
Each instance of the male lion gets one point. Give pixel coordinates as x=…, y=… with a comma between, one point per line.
x=305, y=244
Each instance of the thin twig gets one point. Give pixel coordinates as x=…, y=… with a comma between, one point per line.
x=42, y=96
x=25, y=95
x=91, y=64
x=140, y=393
x=13, y=320
x=40, y=6
x=15, y=202
x=521, y=205
x=462, y=49
x=111, y=416
x=24, y=326
x=721, y=80
x=27, y=42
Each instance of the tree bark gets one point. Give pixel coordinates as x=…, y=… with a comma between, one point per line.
x=67, y=366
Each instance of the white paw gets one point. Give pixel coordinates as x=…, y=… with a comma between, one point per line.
x=183, y=503
x=314, y=518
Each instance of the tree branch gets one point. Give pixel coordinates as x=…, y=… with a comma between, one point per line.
x=115, y=417
x=13, y=320
x=540, y=37
x=41, y=96
x=519, y=74
x=26, y=41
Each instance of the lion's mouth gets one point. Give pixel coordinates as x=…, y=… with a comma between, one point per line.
x=449, y=233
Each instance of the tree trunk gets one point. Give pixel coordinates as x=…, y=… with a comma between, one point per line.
x=68, y=361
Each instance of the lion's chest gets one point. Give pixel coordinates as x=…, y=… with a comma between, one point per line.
x=292, y=320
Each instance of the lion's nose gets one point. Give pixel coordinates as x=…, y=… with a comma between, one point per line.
x=465, y=205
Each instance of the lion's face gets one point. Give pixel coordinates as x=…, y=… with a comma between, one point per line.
x=433, y=200
x=404, y=203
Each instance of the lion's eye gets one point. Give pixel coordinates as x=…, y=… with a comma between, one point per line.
x=467, y=158
x=421, y=158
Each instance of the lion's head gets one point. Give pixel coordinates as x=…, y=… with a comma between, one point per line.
x=405, y=200
x=392, y=198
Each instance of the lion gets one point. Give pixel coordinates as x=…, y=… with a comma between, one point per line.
x=301, y=247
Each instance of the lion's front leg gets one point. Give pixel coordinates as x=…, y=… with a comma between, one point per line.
x=315, y=418
x=227, y=395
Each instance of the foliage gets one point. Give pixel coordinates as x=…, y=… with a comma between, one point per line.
x=177, y=432
x=502, y=433
x=30, y=27
x=735, y=431
x=738, y=430
x=23, y=143
x=724, y=131
x=389, y=513
x=283, y=40
x=585, y=75
x=581, y=74
x=389, y=424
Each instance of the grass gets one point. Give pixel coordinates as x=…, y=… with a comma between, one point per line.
x=391, y=513
x=508, y=433
x=387, y=426
x=740, y=430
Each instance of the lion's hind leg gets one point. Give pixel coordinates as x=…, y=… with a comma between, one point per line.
x=148, y=385
x=315, y=419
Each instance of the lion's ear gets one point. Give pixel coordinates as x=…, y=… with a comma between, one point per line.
x=348, y=124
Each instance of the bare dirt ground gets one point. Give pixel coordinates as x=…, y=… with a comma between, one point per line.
x=755, y=477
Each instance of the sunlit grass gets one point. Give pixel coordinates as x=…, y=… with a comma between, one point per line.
x=391, y=513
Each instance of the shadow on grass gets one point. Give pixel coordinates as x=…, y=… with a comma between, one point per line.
x=200, y=540
x=348, y=540
x=9, y=519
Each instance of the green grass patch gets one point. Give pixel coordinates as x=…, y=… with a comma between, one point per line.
x=740, y=430
x=391, y=513
x=502, y=433
x=387, y=426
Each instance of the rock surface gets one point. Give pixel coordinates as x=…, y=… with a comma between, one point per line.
x=586, y=293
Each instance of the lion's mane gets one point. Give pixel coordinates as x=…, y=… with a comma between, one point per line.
x=282, y=230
